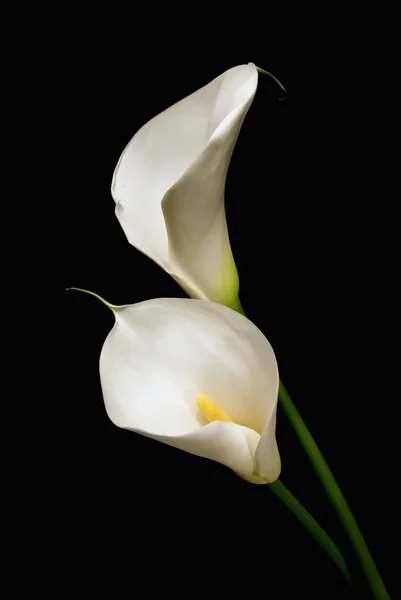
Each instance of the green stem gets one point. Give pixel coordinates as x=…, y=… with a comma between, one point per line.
x=273, y=77
x=311, y=525
x=340, y=504
x=110, y=306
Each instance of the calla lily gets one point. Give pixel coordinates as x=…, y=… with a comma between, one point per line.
x=169, y=186
x=197, y=376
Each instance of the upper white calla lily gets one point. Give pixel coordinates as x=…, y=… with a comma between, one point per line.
x=169, y=185
x=162, y=354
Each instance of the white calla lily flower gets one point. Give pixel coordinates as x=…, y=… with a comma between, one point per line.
x=169, y=186
x=197, y=376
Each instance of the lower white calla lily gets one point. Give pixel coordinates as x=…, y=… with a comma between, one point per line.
x=169, y=185
x=169, y=362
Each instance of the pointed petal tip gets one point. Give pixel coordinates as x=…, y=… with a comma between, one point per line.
x=112, y=307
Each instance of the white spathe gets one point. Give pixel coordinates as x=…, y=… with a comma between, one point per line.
x=162, y=354
x=169, y=185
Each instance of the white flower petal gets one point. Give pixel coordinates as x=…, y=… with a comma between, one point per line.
x=162, y=354
x=169, y=185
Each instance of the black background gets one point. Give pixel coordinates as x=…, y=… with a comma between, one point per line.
x=150, y=518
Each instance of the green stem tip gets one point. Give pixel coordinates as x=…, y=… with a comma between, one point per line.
x=273, y=77
x=110, y=306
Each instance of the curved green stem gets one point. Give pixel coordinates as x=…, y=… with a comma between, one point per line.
x=273, y=77
x=312, y=526
x=336, y=496
x=110, y=306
